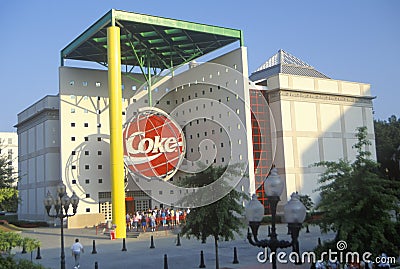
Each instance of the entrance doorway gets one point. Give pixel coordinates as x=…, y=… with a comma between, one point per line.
x=130, y=205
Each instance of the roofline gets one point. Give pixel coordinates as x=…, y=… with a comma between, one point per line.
x=115, y=15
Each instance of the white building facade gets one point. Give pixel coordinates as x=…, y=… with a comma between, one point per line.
x=315, y=119
x=9, y=150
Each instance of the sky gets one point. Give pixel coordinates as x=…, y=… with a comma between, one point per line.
x=355, y=40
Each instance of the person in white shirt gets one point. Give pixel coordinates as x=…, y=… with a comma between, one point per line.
x=77, y=248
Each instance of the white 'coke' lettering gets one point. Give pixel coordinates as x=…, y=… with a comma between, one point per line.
x=147, y=145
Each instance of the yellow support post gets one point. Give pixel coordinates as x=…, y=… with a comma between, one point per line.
x=116, y=147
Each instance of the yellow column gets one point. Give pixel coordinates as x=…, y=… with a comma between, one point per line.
x=116, y=147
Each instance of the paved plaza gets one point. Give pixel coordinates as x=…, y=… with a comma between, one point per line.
x=140, y=255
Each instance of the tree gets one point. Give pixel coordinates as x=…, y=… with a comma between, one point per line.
x=221, y=219
x=357, y=202
x=8, y=193
x=9, y=240
x=387, y=137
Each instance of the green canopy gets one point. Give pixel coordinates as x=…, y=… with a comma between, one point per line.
x=151, y=41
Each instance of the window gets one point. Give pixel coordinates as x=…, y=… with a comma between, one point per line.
x=205, y=133
x=73, y=181
x=100, y=180
x=86, y=124
x=168, y=102
x=72, y=83
x=222, y=159
x=72, y=124
x=160, y=192
x=72, y=110
x=99, y=152
x=222, y=145
x=73, y=152
x=85, y=111
x=98, y=84
x=87, y=210
x=73, y=138
x=99, y=138
x=73, y=167
x=98, y=125
x=86, y=152
x=99, y=166
x=10, y=141
x=86, y=138
x=72, y=96
x=84, y=83
x=87, y=181
x=87, y=195
x=86, y=166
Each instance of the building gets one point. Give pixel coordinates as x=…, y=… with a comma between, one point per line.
x=191, y=93
x=288, y=115
x=314, y=118
x=38, y=131
x=9, y=150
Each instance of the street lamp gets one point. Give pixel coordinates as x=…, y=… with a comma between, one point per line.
x=61, y=205
x=294, y=212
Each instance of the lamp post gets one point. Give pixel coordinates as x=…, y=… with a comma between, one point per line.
x=61, y=205
x=294, y=211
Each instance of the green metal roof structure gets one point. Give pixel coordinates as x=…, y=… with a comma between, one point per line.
x=156, y=42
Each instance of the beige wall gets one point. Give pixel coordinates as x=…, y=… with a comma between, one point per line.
x=316, y=121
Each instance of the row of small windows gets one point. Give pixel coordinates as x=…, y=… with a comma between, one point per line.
x=85, y=124
x=97, y=84
x=85, y=110
x=213, y=132
x=86, y=138
x=87, y=181
x=87, y=167
x=168, y=102
x=99, y=152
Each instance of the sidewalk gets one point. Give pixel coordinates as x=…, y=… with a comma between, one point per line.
x=140, y=255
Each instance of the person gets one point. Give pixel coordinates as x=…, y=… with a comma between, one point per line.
x=128, y=222
x=77, y=248
x=383, y=261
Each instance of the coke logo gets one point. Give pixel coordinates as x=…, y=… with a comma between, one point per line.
x=153, y=144
x=147, y=145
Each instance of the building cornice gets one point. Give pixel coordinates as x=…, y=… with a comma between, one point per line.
x=290, y=94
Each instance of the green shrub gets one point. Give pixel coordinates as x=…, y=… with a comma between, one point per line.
x=8, y=261
x=9, y=240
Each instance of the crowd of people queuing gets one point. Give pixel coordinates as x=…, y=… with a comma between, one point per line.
x=153, y=219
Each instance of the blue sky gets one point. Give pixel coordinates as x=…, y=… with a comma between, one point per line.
x=346, y=40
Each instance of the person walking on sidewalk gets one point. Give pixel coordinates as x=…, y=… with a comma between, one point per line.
x=77, y=248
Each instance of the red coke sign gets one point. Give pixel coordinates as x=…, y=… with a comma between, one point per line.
x=154, y=144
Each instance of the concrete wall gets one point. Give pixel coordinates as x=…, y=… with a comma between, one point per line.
x=316, y=120
x=39, y=156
